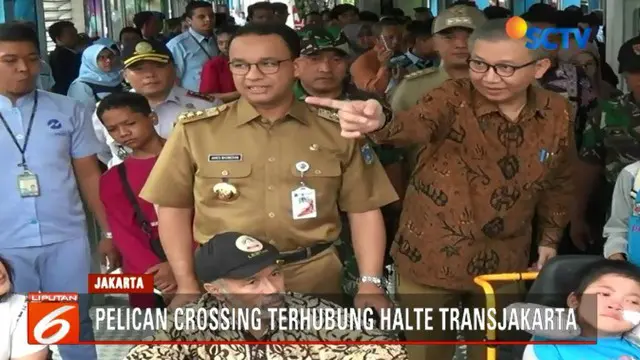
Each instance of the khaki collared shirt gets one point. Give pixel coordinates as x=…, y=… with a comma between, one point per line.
x=272, y=351
x=479, y=180
x=234, y=144
x=415, y=85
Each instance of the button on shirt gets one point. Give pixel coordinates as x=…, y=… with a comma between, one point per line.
x=177, y=102
x=61, y=132
x=190, y=52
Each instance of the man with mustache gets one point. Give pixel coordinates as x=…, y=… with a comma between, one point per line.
x=241, y=272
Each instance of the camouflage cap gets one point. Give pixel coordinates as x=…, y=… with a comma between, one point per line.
x=463, y=16
x=314, y=39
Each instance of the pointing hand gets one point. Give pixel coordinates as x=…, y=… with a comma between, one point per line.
x=356, y=117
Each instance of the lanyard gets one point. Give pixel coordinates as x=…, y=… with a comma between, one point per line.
x=200, y=45
x=23, y=149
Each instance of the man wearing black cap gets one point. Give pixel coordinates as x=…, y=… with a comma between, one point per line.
x=241, y=272
x=151, y=72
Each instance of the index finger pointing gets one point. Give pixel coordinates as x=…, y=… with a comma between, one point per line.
x=325, y=102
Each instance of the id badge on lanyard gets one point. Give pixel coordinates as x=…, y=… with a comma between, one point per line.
x=27, y=181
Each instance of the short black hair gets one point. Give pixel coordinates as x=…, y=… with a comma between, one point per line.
x=496, y=12
x=311, y=13
x=397, y=12
x=606, y=267
x=420, y=29
x=262, y=5
x=129, y=30
x=10, y=273
x=228, y=29
x=197, y=4
x=368, y=16
x=541, y=15
x=384, y=22
x=142, y=18
x=19, y=31
x=464, y=2
x=567, y=19
x=279, y=7
x=541, y=8
x=592, y=20
x=342, y=9
x=287, y=34
x=56, y=29
x=325, y=12
x=118, y=100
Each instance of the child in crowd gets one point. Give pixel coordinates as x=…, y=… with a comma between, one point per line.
x=133, y=221
x=622, y=230
x=216, y=78
x=607, y=291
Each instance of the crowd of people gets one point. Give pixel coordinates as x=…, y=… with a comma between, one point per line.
x=360, y=161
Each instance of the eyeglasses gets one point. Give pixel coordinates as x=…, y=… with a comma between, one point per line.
x=266, y=67
x=502, y=70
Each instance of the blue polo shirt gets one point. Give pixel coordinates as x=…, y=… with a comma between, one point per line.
x=61, y=132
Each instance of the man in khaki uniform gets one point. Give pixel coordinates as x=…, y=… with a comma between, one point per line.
x=274, y=168
x=451, y=28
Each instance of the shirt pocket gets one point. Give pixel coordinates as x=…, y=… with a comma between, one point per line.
x=214, y=174
x=324, y=176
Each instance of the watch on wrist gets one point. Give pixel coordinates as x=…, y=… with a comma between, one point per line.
x=107, y=235
x=375, y=280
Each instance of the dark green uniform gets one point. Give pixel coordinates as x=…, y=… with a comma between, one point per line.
x=388, y=155
x=615, y=140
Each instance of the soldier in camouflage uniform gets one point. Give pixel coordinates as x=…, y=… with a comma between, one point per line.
x=322, y=71
x=613, y=141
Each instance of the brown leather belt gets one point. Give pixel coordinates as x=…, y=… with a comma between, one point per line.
x=304, y=253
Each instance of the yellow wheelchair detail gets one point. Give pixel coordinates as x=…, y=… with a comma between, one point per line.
x=550, y=288
x=484, y=281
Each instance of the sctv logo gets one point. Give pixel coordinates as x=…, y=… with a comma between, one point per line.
x=517, y=28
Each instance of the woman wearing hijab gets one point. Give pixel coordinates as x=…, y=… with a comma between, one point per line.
x=108, y=43
x=588, y=58
x=99, y=76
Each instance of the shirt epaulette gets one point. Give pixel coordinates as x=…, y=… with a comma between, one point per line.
x=419, y=73
x=201, y=96
x=191, y=116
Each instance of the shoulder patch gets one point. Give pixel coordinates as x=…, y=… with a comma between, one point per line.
x=192, y=116
x=420, y=73
x=328, y=114
x=201, y=96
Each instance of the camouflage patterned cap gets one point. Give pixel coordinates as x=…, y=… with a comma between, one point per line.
x=314, y=39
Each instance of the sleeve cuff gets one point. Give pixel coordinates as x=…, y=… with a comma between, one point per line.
x=615, y=245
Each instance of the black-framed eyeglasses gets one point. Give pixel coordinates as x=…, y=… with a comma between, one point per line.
x=265, y=66
x=502, y=70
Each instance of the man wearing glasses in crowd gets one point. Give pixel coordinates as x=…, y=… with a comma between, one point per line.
x=494, y=151
x=274, y=168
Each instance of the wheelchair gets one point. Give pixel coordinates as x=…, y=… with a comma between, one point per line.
x=550, y=288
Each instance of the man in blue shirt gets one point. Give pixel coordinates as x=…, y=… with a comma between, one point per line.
x=195, y=46
x=46, y=142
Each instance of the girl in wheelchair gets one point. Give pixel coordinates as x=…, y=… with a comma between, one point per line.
x=607, y=294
